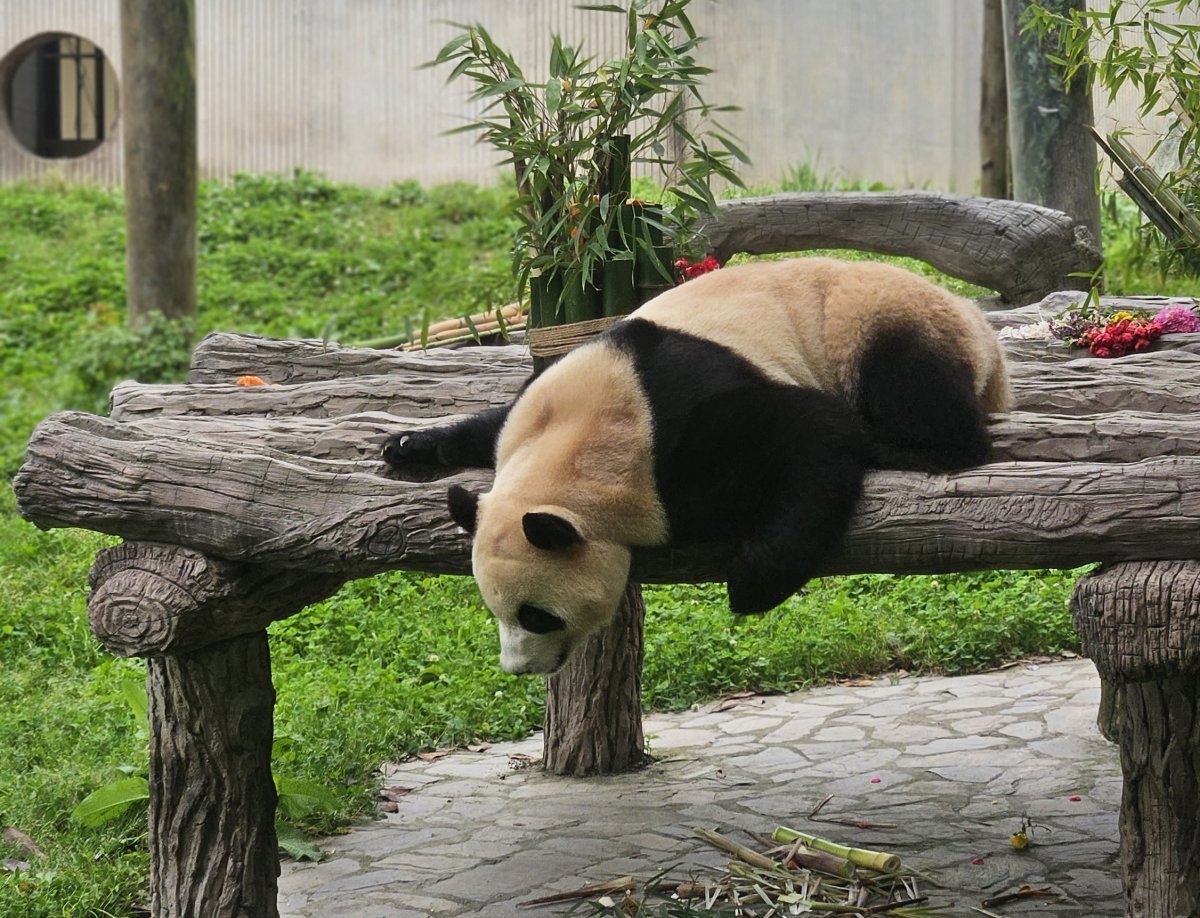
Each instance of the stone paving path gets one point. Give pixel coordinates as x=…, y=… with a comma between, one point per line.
x=959, y=762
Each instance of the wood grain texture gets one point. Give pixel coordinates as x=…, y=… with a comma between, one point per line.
x=401, y=393
x=213, y=850
x=1116, y=436
x=150, y=598
x=325, y=516
x=1160, y=762
x=1021, y=251
x=1140, y=621
x=593, y=722
x=1166, y=381
x=221, y=357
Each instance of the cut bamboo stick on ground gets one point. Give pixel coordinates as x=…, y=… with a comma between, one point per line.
x=750, y=856
x=860, y=857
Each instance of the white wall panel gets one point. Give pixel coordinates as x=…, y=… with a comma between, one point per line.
x=863, y=89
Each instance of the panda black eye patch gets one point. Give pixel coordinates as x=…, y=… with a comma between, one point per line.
x=539, y=621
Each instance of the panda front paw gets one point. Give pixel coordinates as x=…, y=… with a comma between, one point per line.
x=414, y=447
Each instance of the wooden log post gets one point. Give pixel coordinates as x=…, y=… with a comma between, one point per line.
x=158, y=100
x=200, y=623
x=594, y=704
x=213, y=848
x=1140, y=623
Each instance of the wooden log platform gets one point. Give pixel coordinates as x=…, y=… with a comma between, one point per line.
x=240, y=505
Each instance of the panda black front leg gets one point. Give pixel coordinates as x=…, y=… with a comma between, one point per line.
x=776, y=470
x=467, y=443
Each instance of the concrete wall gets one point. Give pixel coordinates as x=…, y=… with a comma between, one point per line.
x=865, y=89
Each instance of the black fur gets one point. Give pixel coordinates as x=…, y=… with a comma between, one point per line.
x=539, y=621
x=464, y=507
x=920, y=406
x=773, y=470
x=549, y=532
x=469, y=443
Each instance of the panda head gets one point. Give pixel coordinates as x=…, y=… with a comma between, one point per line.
x=547, y=584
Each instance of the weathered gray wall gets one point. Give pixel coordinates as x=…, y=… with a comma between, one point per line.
x=865, y=89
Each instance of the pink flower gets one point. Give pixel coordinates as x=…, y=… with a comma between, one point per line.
x=1175, y=319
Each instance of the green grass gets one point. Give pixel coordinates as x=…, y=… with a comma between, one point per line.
x=390, y=665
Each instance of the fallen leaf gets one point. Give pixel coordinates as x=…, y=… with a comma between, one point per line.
x=394, y=793
x=519, y=760
x=479, y=747
x=738, y=698
x=433, y=756
x=389, y=806
x=22, y=842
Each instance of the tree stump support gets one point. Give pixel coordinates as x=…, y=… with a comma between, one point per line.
x=200, y=624
x=212, y=816
x=1140, y=624
x=593, y=722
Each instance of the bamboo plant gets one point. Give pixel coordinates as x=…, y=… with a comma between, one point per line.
x=585, y=248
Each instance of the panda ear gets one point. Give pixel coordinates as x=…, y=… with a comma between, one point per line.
x=464, y=507
x=550, y=532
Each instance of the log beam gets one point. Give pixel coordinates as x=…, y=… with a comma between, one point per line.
x=1021, y=251
x=1167, y=379
x=1140, y=623
x=323, y=517
x=221, y=357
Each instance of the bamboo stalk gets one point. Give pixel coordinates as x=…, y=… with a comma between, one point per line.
x=860, y=857
x=624, y=884
x=741, y=852
x=511, y=314
x=799, y=854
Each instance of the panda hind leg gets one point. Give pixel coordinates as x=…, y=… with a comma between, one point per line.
x=920, y=406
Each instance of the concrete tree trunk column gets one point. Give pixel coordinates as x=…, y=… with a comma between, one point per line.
x=1140, y=624
x=200, y=623
x=594, y=704
x=158, y=93
x=1053, y=155
x=213, y=849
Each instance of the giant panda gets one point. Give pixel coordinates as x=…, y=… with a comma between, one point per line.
x=740, y=409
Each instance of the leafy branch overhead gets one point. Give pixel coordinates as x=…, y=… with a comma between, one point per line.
x=1152, y=46
x=566, y=137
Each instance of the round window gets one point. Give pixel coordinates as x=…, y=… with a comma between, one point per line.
x=60, y=95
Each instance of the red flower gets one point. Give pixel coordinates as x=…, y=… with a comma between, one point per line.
x=685, y=270
x=1123, y=337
